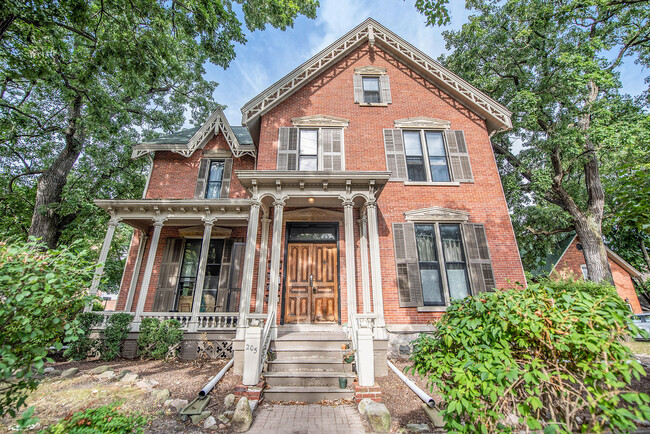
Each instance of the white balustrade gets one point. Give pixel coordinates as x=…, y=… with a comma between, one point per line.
x=207, y=321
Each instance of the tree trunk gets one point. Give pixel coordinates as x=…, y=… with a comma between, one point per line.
x=46, y=220
x=593, y=249
x=644, y=250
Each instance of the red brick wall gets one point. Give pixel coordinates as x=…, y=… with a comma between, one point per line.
x=332, y=94
x=569, y=267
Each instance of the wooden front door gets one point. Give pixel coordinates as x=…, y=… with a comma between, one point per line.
x=312, y=283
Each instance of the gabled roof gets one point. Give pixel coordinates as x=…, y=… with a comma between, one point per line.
x=554, y=258
x=185, y=142
x=496, y=116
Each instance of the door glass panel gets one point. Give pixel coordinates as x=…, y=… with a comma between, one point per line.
x=211, y=283
x=187, y=279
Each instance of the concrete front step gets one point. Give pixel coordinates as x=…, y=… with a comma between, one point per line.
x=332, y=345
x=307, y=379
x=309, y=364
x=299, y=354
x=307, y=394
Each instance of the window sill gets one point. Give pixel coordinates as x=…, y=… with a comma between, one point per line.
x=373, y=104
x=432, y=308
x=436, y=184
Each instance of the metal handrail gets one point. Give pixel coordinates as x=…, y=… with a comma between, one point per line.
x=266, y=338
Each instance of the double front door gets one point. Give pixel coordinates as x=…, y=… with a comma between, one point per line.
x=311, y=283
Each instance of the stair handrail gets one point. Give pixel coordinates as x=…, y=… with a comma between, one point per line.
x=266, y=338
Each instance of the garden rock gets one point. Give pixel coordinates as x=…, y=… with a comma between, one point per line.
x=417, y=427
x=223, y=418
x=242, y=419
x=123, y=373
x=378, y=417
x=54, y=373
x=100, y=369
x=209, y=422
x=363, y=404
x=223, y=426
x=229, y=401
x=434, y=416
x=129, y=378
x=196, y=418
x=161, y=395
x=147, y=385
x=48, y=370
x=69, y=373
x=179, y=404
x=168, y=403
x=108, y=375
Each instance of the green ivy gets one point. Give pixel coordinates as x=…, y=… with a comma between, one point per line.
x=83, y=345
x=548, y=356
x=104, y=419
x=41, y=293
x=116, y=332
x=159, y=339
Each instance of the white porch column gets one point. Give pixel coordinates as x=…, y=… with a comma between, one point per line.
x=249, y=266
x=365, y=278
x=136, y=272
x=350, y=269
x=151, y=258
x=261, y=269
x=103, y=254
x=274, y=278
x=375, y=267
x=200, y=276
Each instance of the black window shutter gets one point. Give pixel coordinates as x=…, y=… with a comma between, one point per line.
x=461, y=169
x=408, y=269
x=357, y=81
x=168, y=276
x=225, y=180
x=288, y=148
x=478, y=258
x=395, y=156
x=384, y=86
x=199, y=191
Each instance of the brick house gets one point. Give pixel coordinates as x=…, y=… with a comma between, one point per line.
x=359, y=197
x=568, y=261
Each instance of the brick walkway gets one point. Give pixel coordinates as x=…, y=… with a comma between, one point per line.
x=307, y=419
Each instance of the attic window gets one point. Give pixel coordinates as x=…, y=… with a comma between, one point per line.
x=371, y=90
x=371, y=86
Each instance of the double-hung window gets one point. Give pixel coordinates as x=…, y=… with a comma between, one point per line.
x=371, y=86
x=215, y=178
x=371, y=94
x=310, y=149
x=440, y=261
x=426, y=158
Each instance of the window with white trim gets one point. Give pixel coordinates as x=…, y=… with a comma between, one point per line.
x=311, y=149
x=215, y=178
x=428, y=162
x=371, y=94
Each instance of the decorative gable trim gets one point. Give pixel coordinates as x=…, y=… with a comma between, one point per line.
x=436, y=214
x=320, y=121
x=215, y=123
x=370, y=70
x=423, y=122
x=496, y=115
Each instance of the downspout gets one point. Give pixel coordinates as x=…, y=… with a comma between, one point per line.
x=419, y=392
x=208, y=387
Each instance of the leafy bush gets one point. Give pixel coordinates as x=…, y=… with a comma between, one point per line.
x=159, y=339
x=104, y=419
x=548, y=356
x=116, y=332
x=79, y=348
x=41, y=293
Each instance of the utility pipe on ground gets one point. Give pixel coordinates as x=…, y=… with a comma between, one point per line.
x=419, y=392
x=208, y=387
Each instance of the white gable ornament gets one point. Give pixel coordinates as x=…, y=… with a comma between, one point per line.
x=320, y=121
x=370, y=70
x=436, y=214
x=423, y=122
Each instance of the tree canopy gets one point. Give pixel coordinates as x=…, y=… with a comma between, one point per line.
x=556, y=66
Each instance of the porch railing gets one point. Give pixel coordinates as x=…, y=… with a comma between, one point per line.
x=207, y=321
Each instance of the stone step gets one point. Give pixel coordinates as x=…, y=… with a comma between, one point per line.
x=309, y=364
x=307, y=394
x=311, y=336
x=310, y=345
x=298, y=355
x=307, y=379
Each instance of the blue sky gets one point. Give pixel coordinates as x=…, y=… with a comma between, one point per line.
x=270, y=54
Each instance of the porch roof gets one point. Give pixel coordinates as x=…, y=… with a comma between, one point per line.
x=140, y=213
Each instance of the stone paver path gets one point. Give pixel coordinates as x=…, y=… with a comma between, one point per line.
x=307, y=419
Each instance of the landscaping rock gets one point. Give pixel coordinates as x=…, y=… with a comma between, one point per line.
x=378, y=417
x=209, y=422
x=54, y=373
x=223, y=418
x=106, y=376
x=196, y=418
x=161, y=395
x=100, y=369
x=167, y=403
x=229, y=401
x=242, y=419
x=362, y=405
x=179, y=404
x=223, y=426
x=229, y=414
x=122, y=374
x=48, y=370
x=129, y=378
x=69, y=373
x=434, y=416
x=418, y=427
x=147, y=385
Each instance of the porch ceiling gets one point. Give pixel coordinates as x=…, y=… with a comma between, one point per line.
x=314, y=188
x=179, y=212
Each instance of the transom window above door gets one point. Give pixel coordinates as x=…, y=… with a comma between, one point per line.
x=310, y=149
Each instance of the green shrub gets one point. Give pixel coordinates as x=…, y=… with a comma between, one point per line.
x=104, y=419
x=159, y=339
x=41, y=292
x=550, y=354
x=117, y=329
x=83, y=345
